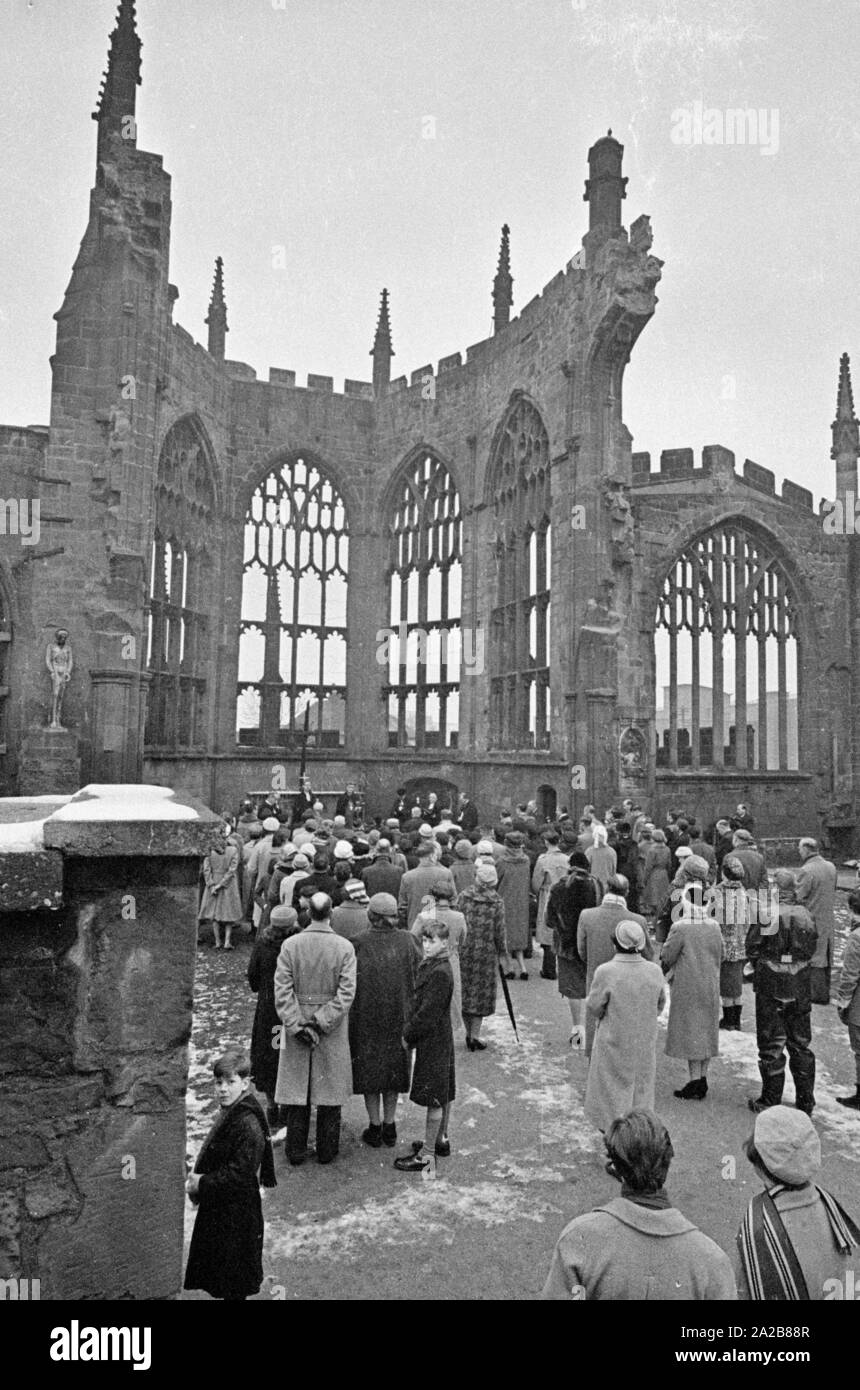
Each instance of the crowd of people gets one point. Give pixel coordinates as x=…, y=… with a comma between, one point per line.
x=377, y=945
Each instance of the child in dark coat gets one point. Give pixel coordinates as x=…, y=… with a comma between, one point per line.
x=429, y=1031
x=226, y=1255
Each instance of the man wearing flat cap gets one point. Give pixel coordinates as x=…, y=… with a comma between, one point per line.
x=796, y=1241
x=387, y=961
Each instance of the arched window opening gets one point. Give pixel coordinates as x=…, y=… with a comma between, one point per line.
x=177, y=624
x=292, y=630
x=727, y=657
x=422, y=647
x=519, y=686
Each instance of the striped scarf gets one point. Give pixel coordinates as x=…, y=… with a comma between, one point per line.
x=770, y=1263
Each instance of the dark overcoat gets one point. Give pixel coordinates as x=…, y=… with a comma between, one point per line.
x=387, y=962
x=266, y=1029
x=428, y=1030
x=226, y=1255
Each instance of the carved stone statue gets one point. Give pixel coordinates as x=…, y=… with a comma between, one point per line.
x=60, y=663
x=621, y=516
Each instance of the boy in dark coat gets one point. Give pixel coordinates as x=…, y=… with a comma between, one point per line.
x=429, y=1031
x=226, y=1255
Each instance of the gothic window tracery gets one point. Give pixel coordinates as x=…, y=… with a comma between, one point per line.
x=521, y=499
x=179, y=592
x=726, y=648
x=292, y=632
x=424, y=579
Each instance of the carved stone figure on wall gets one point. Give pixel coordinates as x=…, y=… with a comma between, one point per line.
x=623, y=530
x=60, y=663
x=631, y=748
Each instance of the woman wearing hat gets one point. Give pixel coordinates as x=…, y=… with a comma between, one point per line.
x=463, y=867
x=693, y=951
x=266, y=1029
x=514, y=873
x=796, y=1241
x=656, y=868
x=627, y=996
x=567, y=901
x=480, y=952
x=440, y=907
x=221, y=903
x=387, y=963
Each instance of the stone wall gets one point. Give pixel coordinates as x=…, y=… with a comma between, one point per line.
x=96, y=1001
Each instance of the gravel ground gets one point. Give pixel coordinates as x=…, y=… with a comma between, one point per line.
x=524, y=1158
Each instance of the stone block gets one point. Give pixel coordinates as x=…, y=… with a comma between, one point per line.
x=363, y=389
x=23, y=1151
x=279, y=376
x=240, y=371
x=716, y=457
x=447, y=364
x=421, y=375
x=762, y=479
x=49, y=762
x=797, y=496
x=641, y=467
x=118, y=820
x=676, y=463
x=320, y=383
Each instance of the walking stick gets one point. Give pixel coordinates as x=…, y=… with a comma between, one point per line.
x=507, y=994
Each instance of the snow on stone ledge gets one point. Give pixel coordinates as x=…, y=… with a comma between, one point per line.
x=22, y=822
x=125, y=802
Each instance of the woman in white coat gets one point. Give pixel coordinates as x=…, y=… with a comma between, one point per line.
x=627, y=996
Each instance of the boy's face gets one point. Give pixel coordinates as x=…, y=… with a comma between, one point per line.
x=229, y=1088
x=433, y=945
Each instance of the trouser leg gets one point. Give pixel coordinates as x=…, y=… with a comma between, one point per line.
x=801, y=1058
x=328, y=1132
x=770, y=1037
x=298, y=1127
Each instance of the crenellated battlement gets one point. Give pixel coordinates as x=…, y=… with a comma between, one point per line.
x=678, y=465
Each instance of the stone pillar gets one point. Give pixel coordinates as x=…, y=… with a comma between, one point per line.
x=117, y=749
x=94, y=1025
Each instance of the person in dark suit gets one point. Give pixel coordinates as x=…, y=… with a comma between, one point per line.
x=467, y=814
x=347, y=804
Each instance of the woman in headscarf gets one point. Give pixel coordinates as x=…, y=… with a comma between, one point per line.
x=266, y=1029
x=484, y=913
x=601, y=857
x=570, y=897
x=627, y=996
x=693, y=952
x=514, y=873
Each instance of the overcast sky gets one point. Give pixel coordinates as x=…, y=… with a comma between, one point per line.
x=304, y=125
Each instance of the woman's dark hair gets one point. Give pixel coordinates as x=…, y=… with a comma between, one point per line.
x=233, y=1062
x=443, y=892
x=343, y=870
x=854, y=902
x=639, y=1150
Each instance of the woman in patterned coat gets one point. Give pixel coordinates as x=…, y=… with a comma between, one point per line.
x=514, y=870
x=485, y=942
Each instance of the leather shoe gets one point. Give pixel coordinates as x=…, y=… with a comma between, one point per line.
x=373, y=1136
x=412, y=1162
x=443, y=1148
x=756, y=1104
x=389, y=1134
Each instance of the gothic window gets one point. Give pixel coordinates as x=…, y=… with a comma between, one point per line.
x=727, y=657
x=520, y=495
x=179, y=592
x=424, y=576
x=292, y=633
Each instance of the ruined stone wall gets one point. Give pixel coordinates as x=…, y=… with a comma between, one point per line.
x=679, y=502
